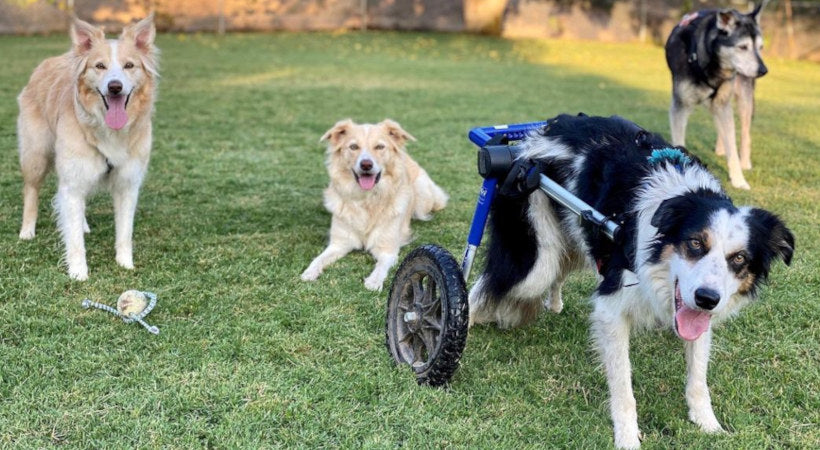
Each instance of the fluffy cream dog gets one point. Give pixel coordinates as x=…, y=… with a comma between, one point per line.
x=87, y=113
x=375, y=189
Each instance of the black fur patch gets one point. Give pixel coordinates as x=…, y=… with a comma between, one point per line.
x=769, y=239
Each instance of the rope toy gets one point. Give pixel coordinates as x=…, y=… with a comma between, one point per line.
x=671, y=155
x=132, y=306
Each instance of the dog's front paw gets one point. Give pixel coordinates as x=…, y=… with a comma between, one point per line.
x=631, y=440
x=27, y=234
x=745, y=165
x=374, y=283
x=125, y=262
x=706, y=420
x=627, y=435
x=311, y=274
x=78, y=272
x=741, y=184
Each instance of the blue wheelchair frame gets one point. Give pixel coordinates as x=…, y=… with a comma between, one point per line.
x=506, y=134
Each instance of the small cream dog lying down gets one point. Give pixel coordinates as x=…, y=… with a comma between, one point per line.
x=375, y=188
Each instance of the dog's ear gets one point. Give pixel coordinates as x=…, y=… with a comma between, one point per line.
x=84, y=35
x=769, y=230
x=142, y=33
x=337, y=132
x=671, y=214
x=726, y=20
x=755, y=14
x=396, y=132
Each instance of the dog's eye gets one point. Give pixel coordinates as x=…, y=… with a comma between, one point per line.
x=739, y=259
x=354, y=147
x=128, y=65
x=743, y=47
x=379, y=147
x=694, y=247
x=100, y=66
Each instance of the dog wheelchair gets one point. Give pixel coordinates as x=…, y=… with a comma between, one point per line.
x=427, y=309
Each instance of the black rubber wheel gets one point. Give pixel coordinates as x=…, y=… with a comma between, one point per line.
x=427, y=314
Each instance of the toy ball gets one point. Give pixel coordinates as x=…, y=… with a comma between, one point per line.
x=131, y=302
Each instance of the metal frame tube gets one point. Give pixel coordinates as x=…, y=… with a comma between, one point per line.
x=565, y=198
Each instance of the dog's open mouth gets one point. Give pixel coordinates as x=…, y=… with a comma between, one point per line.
x=689, y=323
x=367, y=180
x=115, y=115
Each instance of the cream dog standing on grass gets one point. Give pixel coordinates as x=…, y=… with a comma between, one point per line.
x=375, y=189
x=87, y=114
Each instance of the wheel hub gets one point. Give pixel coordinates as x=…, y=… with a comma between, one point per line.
x=413, y=319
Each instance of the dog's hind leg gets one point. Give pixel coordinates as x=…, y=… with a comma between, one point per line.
x=554, y=301
x=610, y=334
x=35, y=141
x=697, y=392
x=678, y=117
x=525, y=261
x=744, y=93
x=725, y=124
x=428, y=197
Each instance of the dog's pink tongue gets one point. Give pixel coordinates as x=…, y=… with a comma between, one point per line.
x=116, y=117
x=691, y=323
x=367, y=182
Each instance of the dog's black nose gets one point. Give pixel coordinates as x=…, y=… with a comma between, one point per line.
x=366, y=164
x=762, y=70
x=114, y=87
x=706, y=298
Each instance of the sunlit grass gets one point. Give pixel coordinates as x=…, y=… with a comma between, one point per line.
x=230, y=214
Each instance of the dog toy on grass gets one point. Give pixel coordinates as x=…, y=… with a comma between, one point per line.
x=132, y=306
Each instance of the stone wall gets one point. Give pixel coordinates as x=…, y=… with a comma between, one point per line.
x=46, y=16
x=607, y=20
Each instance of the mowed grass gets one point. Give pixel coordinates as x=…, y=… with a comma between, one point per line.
x=231, y=213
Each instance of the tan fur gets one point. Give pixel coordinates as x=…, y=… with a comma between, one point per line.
x=62, y=126
x=376, y=220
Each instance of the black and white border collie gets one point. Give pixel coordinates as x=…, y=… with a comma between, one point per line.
x=688, y=257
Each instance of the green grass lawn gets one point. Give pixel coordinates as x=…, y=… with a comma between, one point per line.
x=231, y=213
